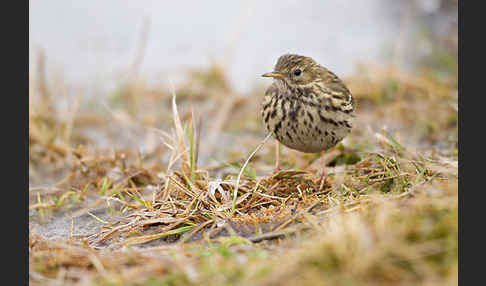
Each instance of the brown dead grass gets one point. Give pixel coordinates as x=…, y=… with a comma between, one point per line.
x=386, y=215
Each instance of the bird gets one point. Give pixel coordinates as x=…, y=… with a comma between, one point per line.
x=307, y=108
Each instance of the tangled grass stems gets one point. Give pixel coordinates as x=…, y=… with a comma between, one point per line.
x=235, y=190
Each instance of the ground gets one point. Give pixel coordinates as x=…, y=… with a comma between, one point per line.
x=147, y=186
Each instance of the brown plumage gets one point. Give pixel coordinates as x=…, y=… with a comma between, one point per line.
x=307, y=107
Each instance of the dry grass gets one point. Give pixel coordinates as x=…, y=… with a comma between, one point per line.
x=172, y=214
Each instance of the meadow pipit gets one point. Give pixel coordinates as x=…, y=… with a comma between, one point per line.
x=307, y=107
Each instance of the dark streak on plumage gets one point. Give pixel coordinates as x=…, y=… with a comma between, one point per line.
x=311, y=118
x=288, y=135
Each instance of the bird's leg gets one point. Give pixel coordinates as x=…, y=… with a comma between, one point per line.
x=277, y=156
x=323, y=172
x=323, y=165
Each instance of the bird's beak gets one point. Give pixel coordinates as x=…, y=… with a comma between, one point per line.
x=273, y=74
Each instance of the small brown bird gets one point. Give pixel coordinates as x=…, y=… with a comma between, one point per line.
x=307, y=107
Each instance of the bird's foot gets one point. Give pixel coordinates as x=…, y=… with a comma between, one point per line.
x=276, y=171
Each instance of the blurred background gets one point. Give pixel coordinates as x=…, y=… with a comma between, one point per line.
x=95, y=43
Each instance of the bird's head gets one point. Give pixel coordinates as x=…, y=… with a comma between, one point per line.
x=296, y=70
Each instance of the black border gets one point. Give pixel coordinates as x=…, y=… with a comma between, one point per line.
x=471, y=144
x=14, y=23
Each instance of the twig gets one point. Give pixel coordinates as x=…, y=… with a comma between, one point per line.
x=272, y=235
x=194, y=231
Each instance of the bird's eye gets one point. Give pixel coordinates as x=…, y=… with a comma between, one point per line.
x=297, y=72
